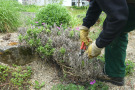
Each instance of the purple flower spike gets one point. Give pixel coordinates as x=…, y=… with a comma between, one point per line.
x=58, y=28
x=92, y=82
x=77, y=28
x=127, y=64
x=36, y=22
x=60, y=24
x=43, y=23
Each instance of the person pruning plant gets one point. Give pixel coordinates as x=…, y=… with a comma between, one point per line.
x=114, y=37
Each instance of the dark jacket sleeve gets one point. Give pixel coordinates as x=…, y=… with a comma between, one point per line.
x=117, y=16
x=92, y=14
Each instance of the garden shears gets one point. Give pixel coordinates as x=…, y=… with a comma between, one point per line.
x=83, y=47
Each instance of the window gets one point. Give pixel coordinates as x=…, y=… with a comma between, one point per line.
x=73, y=3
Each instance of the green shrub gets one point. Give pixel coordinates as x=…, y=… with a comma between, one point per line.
x=32, y=39
x=129, y=67
x=8, y=15
x=53, y=13
x=68, y=87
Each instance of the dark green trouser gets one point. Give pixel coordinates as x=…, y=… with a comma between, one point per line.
x=115, y=53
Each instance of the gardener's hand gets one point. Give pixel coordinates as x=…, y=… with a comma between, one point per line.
x=84, y=35
x=93, y=50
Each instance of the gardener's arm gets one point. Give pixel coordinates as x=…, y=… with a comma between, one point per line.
x=92, y=14
x=117, y=16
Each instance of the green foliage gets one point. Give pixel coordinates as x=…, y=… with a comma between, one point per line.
x=38, y=86
x=3, y=73
x=102, y=18
x=48, y=31
x=53, y=13
x=20, y=76
x=20, y=37
x=94, y=35
x=62, y=50
x=57, y=1
x=71, y=33
x=31, y=8
x=97, y=86
x=87, y=86
x=9, y=17
x=81, y=7
x=31, y=37
x=75, y=21
x=46, y=50
x=15, y=77
x=129, y=67
x=102, y=58
x=33, y=40
x=68, y=87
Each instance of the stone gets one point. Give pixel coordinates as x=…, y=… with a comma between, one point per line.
x=18, y=55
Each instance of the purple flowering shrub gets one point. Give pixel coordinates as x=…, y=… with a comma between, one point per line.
x=66, y=48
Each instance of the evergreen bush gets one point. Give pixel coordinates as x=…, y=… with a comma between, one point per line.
x=53, y=13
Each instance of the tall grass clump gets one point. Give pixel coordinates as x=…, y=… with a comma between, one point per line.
x=9, y=17
x=53, y=13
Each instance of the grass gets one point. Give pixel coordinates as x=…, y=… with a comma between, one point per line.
x=77, y=16
x=76, y=11
x=30, y=8
x=9, y=16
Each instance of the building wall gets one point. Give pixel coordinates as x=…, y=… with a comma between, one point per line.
x=20, y=1
x=82, y=3
x=40, y=2
x=67, y=3
x=45, y=2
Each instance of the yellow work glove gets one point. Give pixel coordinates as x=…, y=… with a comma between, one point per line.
x=84, y=35
x=93, y=50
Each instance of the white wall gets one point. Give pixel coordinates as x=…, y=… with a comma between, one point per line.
x=67, y=3
x=45, y=2
x=20, y=1
x=40, y=2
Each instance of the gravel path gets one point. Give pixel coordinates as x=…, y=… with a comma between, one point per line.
x=44, y=72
